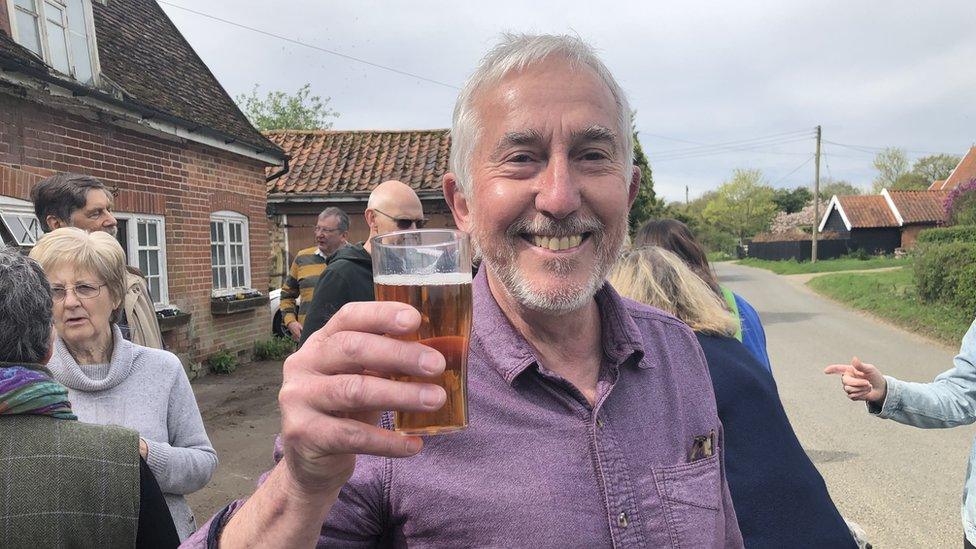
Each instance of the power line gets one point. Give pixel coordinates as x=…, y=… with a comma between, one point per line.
x=311, y=46
x=758, y=149
x=781, y=135
x=868, y=149
x=796, y=169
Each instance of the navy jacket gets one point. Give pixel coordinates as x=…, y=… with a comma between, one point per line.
x=780, y=498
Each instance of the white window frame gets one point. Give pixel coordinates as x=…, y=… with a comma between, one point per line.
x=19, y=210
x=226, y=218
x=133, y=248
x=45, y=43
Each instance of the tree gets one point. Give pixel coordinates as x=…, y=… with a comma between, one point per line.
x=743, y=205
x=792, y=200
x=911, y=181
x=839, y=187
x=891, y=164
x=281, y=111
x=935, y=167
x=647, y=205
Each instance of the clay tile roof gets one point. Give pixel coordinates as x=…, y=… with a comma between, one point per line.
x=866, y=212
x=964, y=172
x=149, y=65
x=920, y=206
x=352, y=163
x=937, y=185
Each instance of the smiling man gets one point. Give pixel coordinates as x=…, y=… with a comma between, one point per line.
x=593, y=422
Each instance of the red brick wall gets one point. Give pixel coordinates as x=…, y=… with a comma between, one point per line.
x=909, y=234
x=5, y=20
x=184, y=182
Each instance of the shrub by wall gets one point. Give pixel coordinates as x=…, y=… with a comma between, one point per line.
x=943, y=235
x=947, y=273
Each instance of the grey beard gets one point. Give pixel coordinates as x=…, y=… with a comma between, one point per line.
x=502, y=263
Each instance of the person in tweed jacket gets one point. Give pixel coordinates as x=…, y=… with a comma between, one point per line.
x=67, y=483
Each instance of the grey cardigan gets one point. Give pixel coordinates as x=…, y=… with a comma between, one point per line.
x=146, y=390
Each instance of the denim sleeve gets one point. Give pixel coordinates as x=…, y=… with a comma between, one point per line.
x=947, y=401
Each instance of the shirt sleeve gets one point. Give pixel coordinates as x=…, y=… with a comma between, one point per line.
x=186, y=462
x=290, y=291
x=357, y=520
x=947, y=401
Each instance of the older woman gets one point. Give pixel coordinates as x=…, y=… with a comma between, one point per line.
x=112, y=381
x=780, y=498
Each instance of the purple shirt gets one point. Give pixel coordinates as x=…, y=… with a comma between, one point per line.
x=539, y=467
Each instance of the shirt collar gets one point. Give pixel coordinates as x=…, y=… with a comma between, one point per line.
x=506, y=350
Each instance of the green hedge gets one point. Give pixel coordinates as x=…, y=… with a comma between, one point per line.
x=944, y=235
x=947, y=273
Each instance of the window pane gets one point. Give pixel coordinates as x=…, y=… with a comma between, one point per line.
x=153, y=262
x=26, y=4
x=154, y=288
x=144, y=262
x=213, y=272
x=213, y=231
x=223, y=278
x=56, y=39
x=78, y=38
x=153, y=237
x=142, y=233
x=27, y=33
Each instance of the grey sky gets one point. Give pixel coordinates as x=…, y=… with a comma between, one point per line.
x=872, y=73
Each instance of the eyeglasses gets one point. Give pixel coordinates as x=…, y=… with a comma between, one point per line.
x=82, y=291
x=321, y=230
x=404, y=223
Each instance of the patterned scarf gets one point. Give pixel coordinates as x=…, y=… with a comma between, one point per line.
x=25, y=390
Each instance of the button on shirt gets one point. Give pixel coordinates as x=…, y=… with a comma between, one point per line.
x=539, y=467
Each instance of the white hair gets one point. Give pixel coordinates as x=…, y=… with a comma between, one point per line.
x=515, y=53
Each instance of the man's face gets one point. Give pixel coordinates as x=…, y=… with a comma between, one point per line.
x=550, y=185
x=96, y=215
x=328, y=236
x=397, y=215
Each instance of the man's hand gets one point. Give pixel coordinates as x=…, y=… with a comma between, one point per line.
x=295, y=327
x=861, y=381
x=332, y=394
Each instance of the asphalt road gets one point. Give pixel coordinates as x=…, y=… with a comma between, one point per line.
x=902, y=484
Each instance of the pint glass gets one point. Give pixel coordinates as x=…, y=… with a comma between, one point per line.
x=431, y=270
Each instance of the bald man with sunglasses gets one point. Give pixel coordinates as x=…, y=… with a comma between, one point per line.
x=392, y=206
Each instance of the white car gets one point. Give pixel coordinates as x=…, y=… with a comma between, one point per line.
x=274, y=303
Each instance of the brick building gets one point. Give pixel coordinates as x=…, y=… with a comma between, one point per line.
x=115, y=91
x=341, y=168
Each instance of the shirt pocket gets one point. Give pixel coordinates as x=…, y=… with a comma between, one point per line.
x=691, y=495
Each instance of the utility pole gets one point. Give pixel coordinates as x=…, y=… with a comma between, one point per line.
x=686, y=195
x=816, y=203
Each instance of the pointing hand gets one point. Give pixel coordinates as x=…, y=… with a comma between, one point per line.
x=861, y=381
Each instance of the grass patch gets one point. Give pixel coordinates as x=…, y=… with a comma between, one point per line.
x=789, y=267
x=719, y=256
x=891, y=295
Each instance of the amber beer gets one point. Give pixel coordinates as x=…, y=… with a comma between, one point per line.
x=444, y=302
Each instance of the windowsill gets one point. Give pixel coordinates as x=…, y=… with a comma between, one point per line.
x=172, y=322
x=232, y=306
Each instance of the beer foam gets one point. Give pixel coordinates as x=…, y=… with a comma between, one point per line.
x=434, y=279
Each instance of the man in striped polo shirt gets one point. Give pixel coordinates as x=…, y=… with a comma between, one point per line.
x=331, y=231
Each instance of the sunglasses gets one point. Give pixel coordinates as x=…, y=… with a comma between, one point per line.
x=405, y=223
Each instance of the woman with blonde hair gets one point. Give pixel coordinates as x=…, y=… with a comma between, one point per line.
x=779, y=496
x=112, y=381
